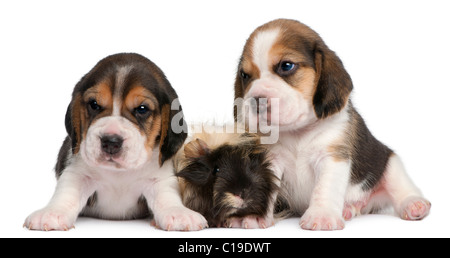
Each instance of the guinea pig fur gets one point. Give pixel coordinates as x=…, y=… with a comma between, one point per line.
x=225, y=176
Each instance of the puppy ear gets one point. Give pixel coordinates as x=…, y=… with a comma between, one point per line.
x=196, y=149
x=173, y=132
x=73, y=123
x=333, y=83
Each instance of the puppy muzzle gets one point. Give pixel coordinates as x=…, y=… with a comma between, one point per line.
x=111, y=144
x=115, y=143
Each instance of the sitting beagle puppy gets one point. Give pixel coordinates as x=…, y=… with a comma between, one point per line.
x=116, y=162
x=332, y=167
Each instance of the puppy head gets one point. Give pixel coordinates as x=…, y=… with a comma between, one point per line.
x=286, y=60
x=120, y=114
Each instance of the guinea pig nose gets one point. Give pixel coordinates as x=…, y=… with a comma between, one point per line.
x=111, y=144
x=242, y=194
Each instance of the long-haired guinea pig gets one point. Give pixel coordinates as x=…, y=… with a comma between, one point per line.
x=226, y=176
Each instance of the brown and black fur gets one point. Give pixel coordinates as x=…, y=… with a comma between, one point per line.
x=369, y=156
x=210, y=174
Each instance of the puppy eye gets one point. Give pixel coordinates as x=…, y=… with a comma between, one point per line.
x=94, y=105
x=286, y=68
x=142, y=110
x=244, y=75
x=216, y=170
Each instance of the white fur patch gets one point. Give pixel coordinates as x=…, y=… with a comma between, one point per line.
x=262, y=45
x=133, y=154
x=121, y=76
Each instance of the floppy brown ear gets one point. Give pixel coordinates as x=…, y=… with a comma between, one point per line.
x=333, y=83
x=73, y=122
x=173, y=132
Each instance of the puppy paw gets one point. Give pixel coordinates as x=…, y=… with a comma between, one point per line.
x=49, y=219
x=349, y=212
x=352, y=210
x=415, y=208
x=180, y=219
x=321, y=219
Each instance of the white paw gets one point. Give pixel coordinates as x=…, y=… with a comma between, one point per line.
x=250, y=222
x=50, y=219
x=322, y=219
x=352, y=210
x=180, y=219
x=415, y=208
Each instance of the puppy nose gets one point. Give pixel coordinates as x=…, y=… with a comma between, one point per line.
x=111, y=144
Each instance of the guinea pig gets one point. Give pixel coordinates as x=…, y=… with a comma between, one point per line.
x=226, y=176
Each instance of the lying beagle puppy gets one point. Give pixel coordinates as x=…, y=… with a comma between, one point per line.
x=332, y=167
x=116, y=162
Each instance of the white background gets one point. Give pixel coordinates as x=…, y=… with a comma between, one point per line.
x=397, y=53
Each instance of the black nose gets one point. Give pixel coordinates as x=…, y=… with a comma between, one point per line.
x=111, y=144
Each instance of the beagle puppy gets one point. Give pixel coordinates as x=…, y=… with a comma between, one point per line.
x=332, y=167
x=116, y=162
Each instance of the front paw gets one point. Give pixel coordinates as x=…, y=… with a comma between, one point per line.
x=49, y=219
x=321, y=219
x=180, y=219
x=250, y=222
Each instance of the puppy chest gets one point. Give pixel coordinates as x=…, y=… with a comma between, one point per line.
x=117, y=201
x=298, y=178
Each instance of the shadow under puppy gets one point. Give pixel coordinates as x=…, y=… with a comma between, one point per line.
x=228, y=179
